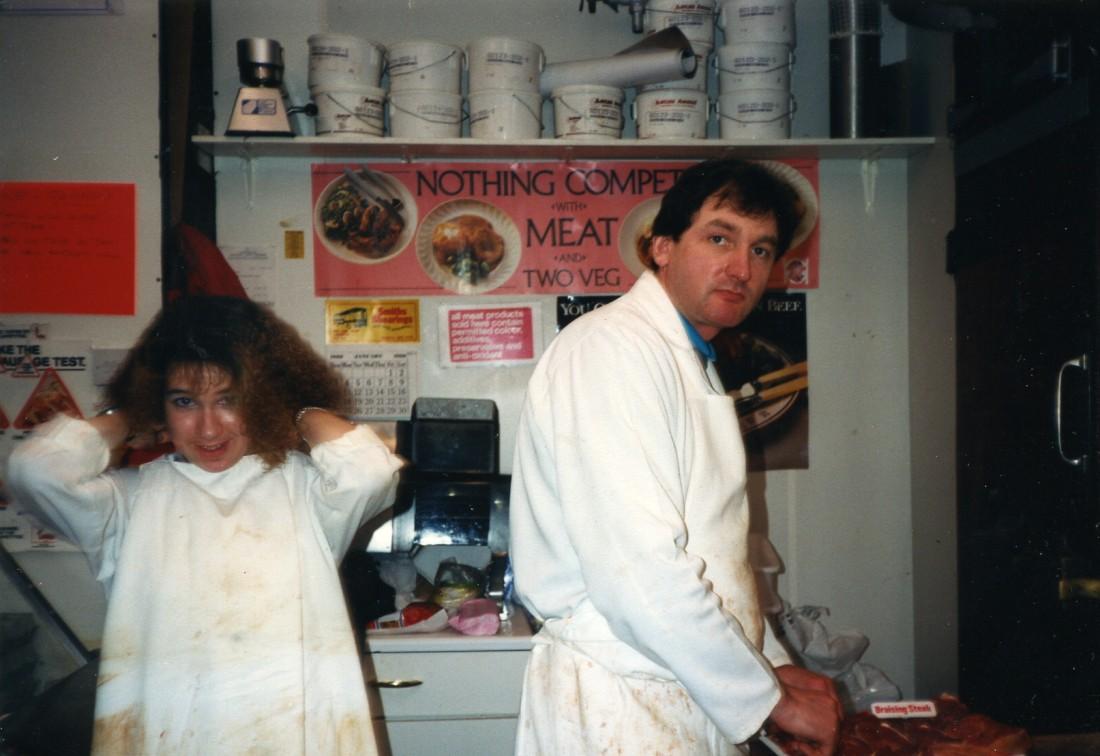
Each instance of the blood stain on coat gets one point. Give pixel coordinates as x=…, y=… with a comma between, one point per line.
x=119, y=733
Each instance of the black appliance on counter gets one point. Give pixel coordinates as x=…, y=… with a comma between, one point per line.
x=451, y=498
x=451, y=493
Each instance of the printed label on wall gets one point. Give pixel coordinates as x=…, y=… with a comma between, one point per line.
x=372, y=321
x=490, y=335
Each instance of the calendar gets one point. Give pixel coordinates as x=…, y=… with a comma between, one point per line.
x=383, y=383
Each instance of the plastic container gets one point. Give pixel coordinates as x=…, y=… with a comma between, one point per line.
x=504, y=63
x=340, y=61
x=695, y=18
x=419, y=64
x=755, y=114
x=758, y=21
x=671, y=114
x=505, y=114
x=588, y=111
x=425, y=114
x=356, y=111
x=753, y=65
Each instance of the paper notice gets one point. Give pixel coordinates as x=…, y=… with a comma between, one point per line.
x=479, y=336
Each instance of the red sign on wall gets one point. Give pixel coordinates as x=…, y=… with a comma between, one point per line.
x=487, y=335
x=67, y=248
x=503, y=228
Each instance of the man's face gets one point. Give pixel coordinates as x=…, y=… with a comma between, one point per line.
x=719, y=269
x=203, y=416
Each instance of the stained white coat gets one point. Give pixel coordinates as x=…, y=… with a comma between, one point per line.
x=226, y=628
x=629, y=525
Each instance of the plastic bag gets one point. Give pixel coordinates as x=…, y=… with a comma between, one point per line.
x=399, y=574
x=456, y=583
x=477, y=616
x=836, y=655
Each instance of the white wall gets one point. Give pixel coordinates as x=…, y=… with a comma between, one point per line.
x=80, y=104
x=844, y=526
x=932, y=382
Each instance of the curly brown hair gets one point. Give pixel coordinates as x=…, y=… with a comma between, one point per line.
x=272, y=368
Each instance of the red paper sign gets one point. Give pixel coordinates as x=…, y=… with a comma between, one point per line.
x=67, y=248
x=501, y=228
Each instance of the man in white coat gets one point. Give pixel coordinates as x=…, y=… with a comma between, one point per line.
x=629, y=517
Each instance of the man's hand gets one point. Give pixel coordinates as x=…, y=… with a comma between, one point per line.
x=809, y=710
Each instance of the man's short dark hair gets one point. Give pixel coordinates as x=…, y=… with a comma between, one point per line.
x=749, y=188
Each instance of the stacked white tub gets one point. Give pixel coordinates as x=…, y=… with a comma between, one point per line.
x=425, y=92
x=754, y=69
x=677, y=109
x=345, y=74
x=504, y=99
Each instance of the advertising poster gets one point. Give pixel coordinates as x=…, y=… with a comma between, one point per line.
x=572, y=227
x=763, y=366
x=38, y=378
x=372, y=321
x=571, y=307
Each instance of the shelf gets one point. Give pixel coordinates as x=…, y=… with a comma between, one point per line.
x=639, y=149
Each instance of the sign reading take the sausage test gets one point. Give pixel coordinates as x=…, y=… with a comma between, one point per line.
x=392, y=229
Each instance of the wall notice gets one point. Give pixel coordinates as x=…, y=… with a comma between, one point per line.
x=67, y=248
x=500, y=335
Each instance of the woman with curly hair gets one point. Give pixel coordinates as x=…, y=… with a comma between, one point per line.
x=226, y=628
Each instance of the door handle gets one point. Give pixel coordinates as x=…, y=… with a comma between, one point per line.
x=1081, y=363
x=395, y=683
x=1069, y=588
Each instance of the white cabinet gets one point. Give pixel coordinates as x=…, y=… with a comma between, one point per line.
x=446, y=692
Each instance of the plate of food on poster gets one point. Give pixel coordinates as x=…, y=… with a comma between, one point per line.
x=365, y=216
x=763, y=379
x=468, y=246
x=635, y=236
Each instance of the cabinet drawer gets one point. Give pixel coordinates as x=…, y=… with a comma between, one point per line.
x=451, y=684
x=461, y=737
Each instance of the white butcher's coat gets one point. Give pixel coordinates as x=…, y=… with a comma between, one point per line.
x=226, y=628
x=629, y=523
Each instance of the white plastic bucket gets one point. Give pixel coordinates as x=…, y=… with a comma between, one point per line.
x=505, y=114
x=425, y=64
x=755, y=114
x=350, y=112
x=697, y=82
x=338, y=61
x=588, y=111
x=422, y=113
x=504, y=63
x=695, y=18
x=758, y=21
x=753, y=65
x=671, y=114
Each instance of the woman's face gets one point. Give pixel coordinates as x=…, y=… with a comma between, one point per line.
x=203, y=416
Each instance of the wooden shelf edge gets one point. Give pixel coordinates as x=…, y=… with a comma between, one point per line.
x=640, y=149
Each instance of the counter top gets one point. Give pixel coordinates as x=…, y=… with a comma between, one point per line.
x=514, y=635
